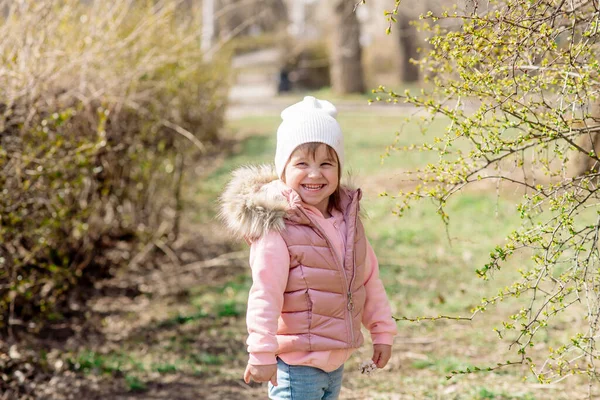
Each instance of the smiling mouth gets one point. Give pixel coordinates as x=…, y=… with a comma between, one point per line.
x=313, y=188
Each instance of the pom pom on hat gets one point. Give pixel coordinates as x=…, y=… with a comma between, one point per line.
x=309, y=104
x=310, y=120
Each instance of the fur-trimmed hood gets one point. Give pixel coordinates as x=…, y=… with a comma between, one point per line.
x=256, y=201
x=253, y=203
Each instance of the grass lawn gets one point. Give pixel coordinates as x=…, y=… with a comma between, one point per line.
x=327, y=93
x=427, y=269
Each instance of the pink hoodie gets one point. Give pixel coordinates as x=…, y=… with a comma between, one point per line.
x=270, y=260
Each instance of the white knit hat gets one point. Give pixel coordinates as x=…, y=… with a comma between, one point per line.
x=311, y=120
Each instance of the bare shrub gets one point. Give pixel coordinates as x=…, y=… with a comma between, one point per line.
x=99, y=105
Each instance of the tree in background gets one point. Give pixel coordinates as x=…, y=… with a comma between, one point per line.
x=248, y=17
x=408, y=43
x=345, y=50
x=519, y=84
x=583, y=161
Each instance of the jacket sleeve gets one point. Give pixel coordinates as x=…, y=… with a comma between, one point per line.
x=270, y=263
x=377, y=314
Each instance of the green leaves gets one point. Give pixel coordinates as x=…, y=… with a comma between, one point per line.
x=519, y=84
x=390, y=16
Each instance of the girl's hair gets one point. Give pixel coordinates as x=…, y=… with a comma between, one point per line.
x=311, y=149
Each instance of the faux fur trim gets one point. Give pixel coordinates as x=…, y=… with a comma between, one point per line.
x=254, y=202
x=251, y=204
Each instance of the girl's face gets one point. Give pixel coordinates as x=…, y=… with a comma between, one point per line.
x=314, y=177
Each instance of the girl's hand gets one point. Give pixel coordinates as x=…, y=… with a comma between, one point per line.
x=381, y=354
x=261, y=373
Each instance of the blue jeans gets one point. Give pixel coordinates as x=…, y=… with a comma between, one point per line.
x=301, y=382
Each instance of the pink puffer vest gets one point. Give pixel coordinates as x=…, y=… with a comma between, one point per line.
x=325, y=296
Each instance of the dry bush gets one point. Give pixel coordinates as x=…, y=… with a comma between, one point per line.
x=99, y=105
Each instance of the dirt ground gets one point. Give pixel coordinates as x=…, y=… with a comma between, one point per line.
x=126, y=315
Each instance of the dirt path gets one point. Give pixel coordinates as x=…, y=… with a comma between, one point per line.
x=164, y=328
x=144, y=338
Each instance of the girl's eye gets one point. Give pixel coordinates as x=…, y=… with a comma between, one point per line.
x=326, y=164
x=301, y=164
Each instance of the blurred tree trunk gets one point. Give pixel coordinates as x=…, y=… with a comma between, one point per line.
x=581, y=162
x=408, y=39
x=346, y=53
x=468, y=6
x=245, y=17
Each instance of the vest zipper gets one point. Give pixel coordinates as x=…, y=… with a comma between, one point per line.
x=348, y=285
x=350, y=303
x=354, y=253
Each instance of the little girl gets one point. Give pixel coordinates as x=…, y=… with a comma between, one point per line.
x=315, y=275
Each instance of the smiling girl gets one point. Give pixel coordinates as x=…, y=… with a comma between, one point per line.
x=315, y=275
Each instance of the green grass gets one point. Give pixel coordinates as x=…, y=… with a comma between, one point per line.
x=131, y=364
x=419, y=255
x=442, y=365
x=208, y=302
x=415, y=248
x=135, y=384
x=208, y=359
x=227, y=300
x=427, y=268
x=165, y=368
x=327, y=93
x=482, y=393
x=90, y=362
x=365, y=138
x=181, y=319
